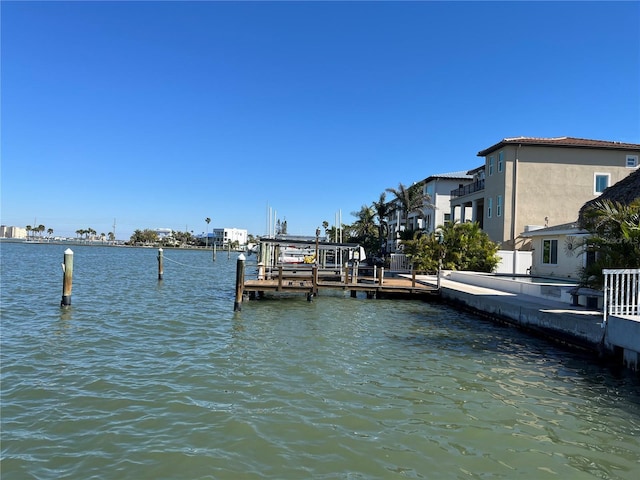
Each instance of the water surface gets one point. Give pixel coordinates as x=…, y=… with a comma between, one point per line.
x=147, y=379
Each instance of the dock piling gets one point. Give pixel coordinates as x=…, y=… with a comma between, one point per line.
x=67, y=278
x=237, y=306
x=160, y=264
x=314, y=274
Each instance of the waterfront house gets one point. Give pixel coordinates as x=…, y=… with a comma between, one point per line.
x=434, y=213
x=531, y=182
x=559, y=250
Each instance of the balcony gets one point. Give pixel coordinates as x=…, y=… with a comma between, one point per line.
x=468, y=189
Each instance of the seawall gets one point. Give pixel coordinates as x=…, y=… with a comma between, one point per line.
x=575, y=327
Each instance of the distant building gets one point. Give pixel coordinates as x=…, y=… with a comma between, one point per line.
x=221, y=237
x=224, y=236
x=164, y=233
x=12, y=232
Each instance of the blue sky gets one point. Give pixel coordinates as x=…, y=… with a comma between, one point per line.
x=160, y=114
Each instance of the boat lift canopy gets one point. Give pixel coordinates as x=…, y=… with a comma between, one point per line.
x=286, y=249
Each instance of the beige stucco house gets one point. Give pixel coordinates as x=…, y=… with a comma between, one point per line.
x=532, y=182
x=559, y=250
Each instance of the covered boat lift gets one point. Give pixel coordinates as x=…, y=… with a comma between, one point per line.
x=293, y=251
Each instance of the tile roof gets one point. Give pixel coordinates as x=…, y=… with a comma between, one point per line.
x=560, y=142
x=462, y=174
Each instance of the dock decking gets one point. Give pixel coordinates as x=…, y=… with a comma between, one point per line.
x=312, y=281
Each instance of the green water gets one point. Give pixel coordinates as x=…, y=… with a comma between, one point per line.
x=142, y=379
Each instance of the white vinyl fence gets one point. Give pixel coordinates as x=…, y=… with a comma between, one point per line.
x=621, y=292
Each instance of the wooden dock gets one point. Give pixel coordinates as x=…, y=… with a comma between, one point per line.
x=311, y=281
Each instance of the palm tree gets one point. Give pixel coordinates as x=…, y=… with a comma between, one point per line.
x=50, y=232
x=412, y=200
x=382, y=212
x=206, y=239
x=365, y=224
x=41, y=229
x=28, y=228
x=615, y=238
x=364, y=229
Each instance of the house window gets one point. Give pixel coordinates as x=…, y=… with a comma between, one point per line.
x=500, y=161
x=632, y=161
x=447, y=217
x=600, y=182
x=491, y=160
x=550, y=252
x=499, y=206
x=429, y=191
x=490, y=208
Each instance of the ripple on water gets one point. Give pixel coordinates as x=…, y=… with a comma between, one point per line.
x=148, y=379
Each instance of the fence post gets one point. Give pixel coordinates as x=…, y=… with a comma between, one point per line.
x=67, y=278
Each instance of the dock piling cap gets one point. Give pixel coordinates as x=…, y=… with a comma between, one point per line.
x=68, y=251
x=242, y=257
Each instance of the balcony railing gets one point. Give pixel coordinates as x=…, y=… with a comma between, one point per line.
x=467, y=189
x=621, y=292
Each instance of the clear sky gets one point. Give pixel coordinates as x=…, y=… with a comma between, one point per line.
x=160, y=114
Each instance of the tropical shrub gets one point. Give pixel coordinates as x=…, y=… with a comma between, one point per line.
x=461, y=246
x=614, y=240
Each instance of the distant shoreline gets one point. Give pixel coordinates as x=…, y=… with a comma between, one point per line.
x=106, y=244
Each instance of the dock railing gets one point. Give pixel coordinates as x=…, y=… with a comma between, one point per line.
x=621, y=292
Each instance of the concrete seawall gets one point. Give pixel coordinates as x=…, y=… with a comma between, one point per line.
x=578, y=328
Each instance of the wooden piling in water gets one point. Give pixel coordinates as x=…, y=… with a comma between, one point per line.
x=237, y=305
x=67, y=278
x=160, y=264
x=314, y=275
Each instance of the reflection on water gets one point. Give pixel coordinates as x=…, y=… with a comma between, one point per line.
x=148, y=379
